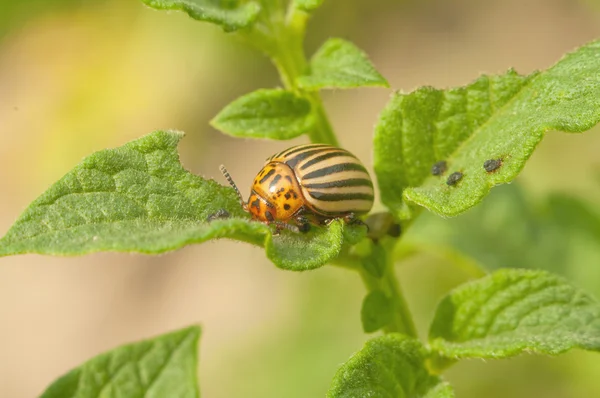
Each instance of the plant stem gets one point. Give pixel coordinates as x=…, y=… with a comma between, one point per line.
x=281, y=37
x=402, y=321
x=283, y=41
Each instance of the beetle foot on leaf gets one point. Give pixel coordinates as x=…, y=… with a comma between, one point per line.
x=280, y=226
x=351, y=219
x=219, y=214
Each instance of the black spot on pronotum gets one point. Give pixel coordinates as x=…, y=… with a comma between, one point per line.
x=269, y=216
x=454, y=178
x=288, y=196
x=256, y=203
x=439, y=168
x=492, y=165
x=286, y=206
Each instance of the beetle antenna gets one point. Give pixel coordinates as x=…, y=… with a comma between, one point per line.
x=230, y=181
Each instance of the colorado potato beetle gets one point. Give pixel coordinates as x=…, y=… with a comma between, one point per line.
x=312, y=183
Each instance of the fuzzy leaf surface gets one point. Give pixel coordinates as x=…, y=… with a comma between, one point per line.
x=496, y=117
x=163, y=367
x=388, y=366
x=138, y=198
x=340, y=64
x=272, y=114
x=230, y=15
x=513, y=311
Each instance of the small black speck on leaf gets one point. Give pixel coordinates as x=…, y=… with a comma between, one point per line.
x=492, y=165
x=439, y=168
x=454, y=178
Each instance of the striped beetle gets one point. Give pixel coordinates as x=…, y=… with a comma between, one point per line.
x=312, y=183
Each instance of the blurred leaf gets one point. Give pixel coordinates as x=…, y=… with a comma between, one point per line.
x=388, y=366
x=340, y=64
x=308, y=5
x=377, y=311
x=15, y=13
x=138, y=198
x=512, y=311
x=499, y=117
x=559, y=233
x=165, y=366
x=375, y=260
x=441, y=390
x=230, y=15
x=273, y=114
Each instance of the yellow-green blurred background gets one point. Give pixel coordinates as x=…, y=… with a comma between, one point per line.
x=77, y=76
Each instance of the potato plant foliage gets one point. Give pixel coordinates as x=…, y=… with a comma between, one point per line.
x=138, y=198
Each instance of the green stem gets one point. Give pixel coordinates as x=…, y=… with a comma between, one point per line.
x=402, y=321
x=283, y=41
x=281, y=37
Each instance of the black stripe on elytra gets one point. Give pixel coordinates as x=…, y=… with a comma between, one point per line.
x=266, y=176
x=274, y=183
x=297, y=149
x=294, y=160
x=336, y=168
x=325, y=156
x=351, y=182
x=339, y=197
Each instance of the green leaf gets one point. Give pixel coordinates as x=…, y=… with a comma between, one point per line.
x=272, y=114
x=377, y=311
x=512, y=311
x=308, y=5
x=388, y=366
x=138, y=198
x=340, y=64
x=498, y=117
x=556, y=233
x=374, y=262
x=230, y=15
x=166, y=366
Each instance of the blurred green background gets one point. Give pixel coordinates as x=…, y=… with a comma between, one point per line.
x=77, y=76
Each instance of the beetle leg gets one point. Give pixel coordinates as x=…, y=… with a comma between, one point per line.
x=351, y=219
x=280, y=226
x=219, y=214
x=303, y=224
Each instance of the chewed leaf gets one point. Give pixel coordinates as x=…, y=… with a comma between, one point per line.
x=513, y=311
x=273, y=114
x=231, y=17
x=485, y=132
x=340, y=64
x=165, y=366
x=388, y=366
x=138, y=198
